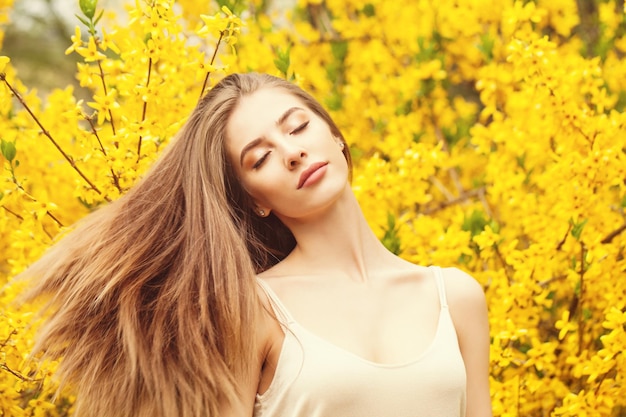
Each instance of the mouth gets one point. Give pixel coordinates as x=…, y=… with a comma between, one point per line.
x=310, y=171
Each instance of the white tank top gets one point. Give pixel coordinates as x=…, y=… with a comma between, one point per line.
x=315, y=378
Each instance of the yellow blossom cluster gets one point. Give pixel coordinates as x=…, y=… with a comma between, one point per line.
x=487, y=135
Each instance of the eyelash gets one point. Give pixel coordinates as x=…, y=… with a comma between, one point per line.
x=260, y=161
x=297, y=130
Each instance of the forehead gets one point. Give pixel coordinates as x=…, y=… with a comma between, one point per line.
x=256, y=113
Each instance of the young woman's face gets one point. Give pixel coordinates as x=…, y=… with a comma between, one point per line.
x=285, y=155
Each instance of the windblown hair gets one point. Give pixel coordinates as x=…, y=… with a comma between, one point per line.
x=152, y=299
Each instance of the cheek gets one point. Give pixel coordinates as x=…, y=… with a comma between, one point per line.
x=261, y=191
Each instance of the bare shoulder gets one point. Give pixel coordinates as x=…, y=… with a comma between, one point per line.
x=463, y=291
x=269, y=326
x=468, y=307
x=269, y=331
x=467, y=303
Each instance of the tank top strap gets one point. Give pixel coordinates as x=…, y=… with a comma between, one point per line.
x=441, y=287
x=279, y=309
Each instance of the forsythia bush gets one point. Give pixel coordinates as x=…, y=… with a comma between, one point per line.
x=488, y=135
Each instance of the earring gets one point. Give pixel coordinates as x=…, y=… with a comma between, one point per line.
x=341, y=145
x=261, y=212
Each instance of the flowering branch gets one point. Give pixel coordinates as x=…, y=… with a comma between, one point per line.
x=4, y=366
x=16, y=374
x=49, y=136
x=12, y=212
x=34, y=200
x=104, y=86
x=581, y=316
x=116, y=180
x=206, y=79
x=145, y=108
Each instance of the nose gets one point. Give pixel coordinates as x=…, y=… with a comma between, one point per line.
x=293, y=154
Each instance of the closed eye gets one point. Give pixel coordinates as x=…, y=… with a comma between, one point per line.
x=258, y=163
x=299, y=128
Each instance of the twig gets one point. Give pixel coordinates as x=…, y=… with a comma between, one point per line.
x=581, y=315
x=54, y=218
x=145, y=108
x=206, y=79
x=116, y=180
x=485, y=203
x=49, y=136
x=95, y=133
x=11, y=334
x=33, y=199
x=464, y=197
x=104, y=86
x=544, y=284
x=505, y=265
x=562, y=242
x=444, y=190
x=14, y=373
x=12, y=212
x=22, y=219
x=609, y=238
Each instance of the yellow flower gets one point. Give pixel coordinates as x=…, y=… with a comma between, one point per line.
x=564, y=325
x=77, y=42
x=4, y=60
x=487, y=238
x=90, y=53
x=104, y=104
x=107, y=43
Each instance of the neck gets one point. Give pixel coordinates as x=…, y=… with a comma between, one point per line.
x=339, y=241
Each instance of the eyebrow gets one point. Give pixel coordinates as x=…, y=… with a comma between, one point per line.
x=256, y=141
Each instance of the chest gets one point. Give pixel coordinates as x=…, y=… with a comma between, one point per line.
x=316, y=378
x=385, y=324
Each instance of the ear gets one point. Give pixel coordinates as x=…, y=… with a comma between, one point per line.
x=339, y=142
x=261, y=211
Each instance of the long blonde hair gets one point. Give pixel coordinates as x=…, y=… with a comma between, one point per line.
x=152, y=299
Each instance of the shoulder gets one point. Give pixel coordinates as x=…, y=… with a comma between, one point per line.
x=462, y=290
x=466, y=300
x=269, y=332
x=468, y=309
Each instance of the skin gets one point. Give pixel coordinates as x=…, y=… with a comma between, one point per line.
x=361, y=298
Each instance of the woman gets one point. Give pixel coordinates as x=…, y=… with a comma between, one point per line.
x=240, y=278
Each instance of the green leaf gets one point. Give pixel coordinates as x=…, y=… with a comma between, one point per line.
x=88, y=7
x=283, y=60
x=339, y=50
x=8, y=150
x=486, y=46
x=95, y=22
x=404, y=108
x=577, y=228
x=82, y=20
x=334, y=101
x=475, y=223
x=391, y=239
x=369, y=10
x=235, y=6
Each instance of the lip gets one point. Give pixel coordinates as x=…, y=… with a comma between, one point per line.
x=309, y=171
